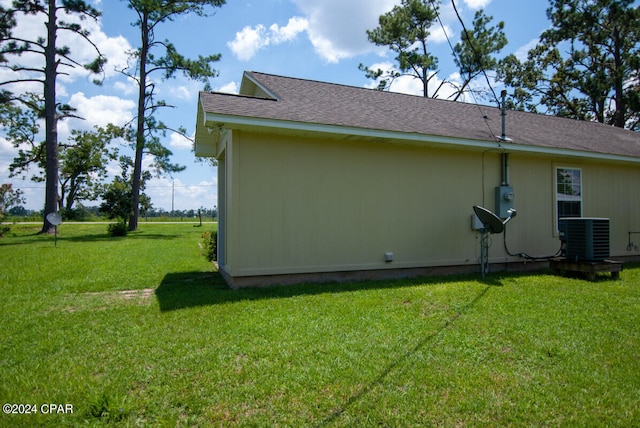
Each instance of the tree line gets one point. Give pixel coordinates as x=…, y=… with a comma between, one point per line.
x=586, y=66
x=83, y=213
x=71, y=170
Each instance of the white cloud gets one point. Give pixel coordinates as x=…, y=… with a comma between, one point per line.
x=231, y=88
x=413, y=86
x=295, y=26
x=522, y=52
x=113, y=169
x=100, y=110
x=165, y=192
x=327, y=50
x=115, y=49
x=22, y=87
x=438, y=34
x=250, y=40
x=7, y=153
x=201, y=194
x=128, y=87
x=337, y=28
x=179, y=142
x=477, y=4
x=182, y=92
x=403, y=84
x=31, y=191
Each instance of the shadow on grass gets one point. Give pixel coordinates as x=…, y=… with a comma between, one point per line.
x=96, y=237
x=387, y=371
x=39, y=238
x=194, y=289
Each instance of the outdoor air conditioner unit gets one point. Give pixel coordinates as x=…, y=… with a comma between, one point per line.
x=584, y=239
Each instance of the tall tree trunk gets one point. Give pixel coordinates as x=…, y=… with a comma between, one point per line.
x=51, y=125
x=137, y=167
x=618, y=75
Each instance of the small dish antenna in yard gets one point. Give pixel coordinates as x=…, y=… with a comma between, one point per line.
x=55, y=219
x=491, y=224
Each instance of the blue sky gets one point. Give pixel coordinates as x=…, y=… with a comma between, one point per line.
x=320, y=40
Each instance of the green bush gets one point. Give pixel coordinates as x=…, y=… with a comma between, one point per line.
x=80, y=213
x=117, y=229
x=210, y=245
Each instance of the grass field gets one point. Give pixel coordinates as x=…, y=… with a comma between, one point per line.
x=141, y=331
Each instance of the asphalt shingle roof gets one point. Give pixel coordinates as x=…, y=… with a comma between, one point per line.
x=313, y=102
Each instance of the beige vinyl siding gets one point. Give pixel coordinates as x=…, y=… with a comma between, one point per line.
x=318, y=177
x=311, y=205
x=532, y=231
x=613, y=192
x=301, y=204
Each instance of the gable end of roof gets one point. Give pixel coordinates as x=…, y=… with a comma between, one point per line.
x=253, y=88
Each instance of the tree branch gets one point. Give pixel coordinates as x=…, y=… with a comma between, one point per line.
x=6, y=82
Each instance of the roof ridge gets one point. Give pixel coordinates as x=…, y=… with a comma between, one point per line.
x=472, y=104
x=231, y=94
x=362, y=88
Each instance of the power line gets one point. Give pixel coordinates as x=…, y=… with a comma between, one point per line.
x=476, y=53
x=453, y=51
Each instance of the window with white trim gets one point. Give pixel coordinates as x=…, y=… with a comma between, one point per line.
x=568, y=192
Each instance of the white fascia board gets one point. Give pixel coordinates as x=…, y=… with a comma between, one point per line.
x=260, y=85
x=231, y=122
x=553, y=151
x=243, y=121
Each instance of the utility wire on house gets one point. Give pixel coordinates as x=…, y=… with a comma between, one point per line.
x=453, y=51
x=476, y=53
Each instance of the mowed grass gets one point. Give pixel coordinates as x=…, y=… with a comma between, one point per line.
x=142, y=331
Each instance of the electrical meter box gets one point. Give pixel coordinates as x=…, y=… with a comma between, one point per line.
x=504, y=201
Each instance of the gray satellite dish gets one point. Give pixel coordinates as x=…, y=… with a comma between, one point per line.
x=489, y=220
x=54, y=218
x=491, y=223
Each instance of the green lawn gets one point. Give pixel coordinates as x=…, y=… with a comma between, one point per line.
x=141, y=331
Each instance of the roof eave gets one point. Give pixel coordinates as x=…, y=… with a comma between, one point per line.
x=206, y=141
x=272, y=125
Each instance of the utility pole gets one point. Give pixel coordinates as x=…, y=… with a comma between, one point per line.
x=173, y=191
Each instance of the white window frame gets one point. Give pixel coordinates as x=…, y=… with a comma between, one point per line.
x=577, y=186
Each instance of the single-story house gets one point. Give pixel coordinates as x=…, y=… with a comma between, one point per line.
x=320, y=181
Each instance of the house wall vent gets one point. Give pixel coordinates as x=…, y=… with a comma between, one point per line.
x=585, y=239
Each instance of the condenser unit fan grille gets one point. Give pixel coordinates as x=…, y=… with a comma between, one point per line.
x=585, y=238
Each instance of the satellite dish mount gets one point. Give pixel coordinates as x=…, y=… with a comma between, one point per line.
x=491, y=224
x=55, y=219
